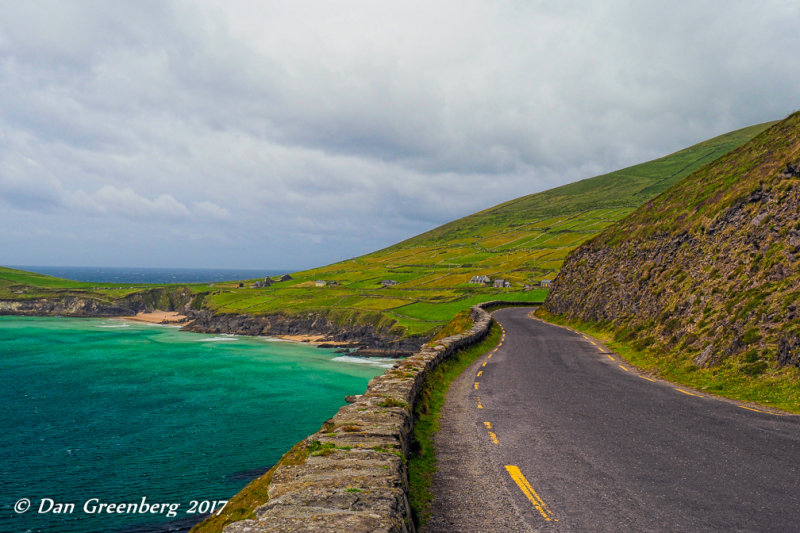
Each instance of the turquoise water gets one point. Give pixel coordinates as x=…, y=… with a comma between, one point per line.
x=119, y=411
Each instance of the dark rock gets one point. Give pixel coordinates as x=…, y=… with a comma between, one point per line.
x=792, y=170
x=384, y=344
x=789, y=351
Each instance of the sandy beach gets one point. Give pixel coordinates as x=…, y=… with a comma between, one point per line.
x=158, y=317
x=315, y=340
x=311, y=339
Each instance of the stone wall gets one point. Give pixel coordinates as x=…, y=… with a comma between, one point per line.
x=355, y=478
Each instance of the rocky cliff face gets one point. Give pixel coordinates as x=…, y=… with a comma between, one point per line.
x=709, y=269
x=167, y=299
x=67, y=306
x=366, y=337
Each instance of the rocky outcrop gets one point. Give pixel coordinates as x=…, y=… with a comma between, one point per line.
x=68, y=306
x=707, y=271
x=363, y=336
x=355, y=477
x=85, y=305
x=166, y=299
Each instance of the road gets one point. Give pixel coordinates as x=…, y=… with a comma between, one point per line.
x=551, y=432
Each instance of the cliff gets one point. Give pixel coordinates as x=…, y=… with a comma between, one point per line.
x=86, y=304
x=708, y=270
x=369, y=338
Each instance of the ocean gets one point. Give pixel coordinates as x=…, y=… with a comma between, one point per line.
x=150, y=275
x=105, y=411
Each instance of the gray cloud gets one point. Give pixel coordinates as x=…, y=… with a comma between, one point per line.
x=293, y=134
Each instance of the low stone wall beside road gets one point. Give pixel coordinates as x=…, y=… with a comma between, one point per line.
x=355, y=478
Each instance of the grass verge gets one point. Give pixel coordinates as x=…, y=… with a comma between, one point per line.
x=422, y=461
x=778, y=388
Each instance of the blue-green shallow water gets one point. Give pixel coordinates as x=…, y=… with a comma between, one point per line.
x=118, y=411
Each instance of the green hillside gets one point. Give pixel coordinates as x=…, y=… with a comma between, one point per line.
x=522, y=241
x=702, y=283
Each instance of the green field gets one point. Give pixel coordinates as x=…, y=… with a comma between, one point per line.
x=522, y=241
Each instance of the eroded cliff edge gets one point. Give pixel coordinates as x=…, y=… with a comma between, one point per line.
x=369, y=339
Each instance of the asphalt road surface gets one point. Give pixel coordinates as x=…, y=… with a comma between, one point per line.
x=551, y=432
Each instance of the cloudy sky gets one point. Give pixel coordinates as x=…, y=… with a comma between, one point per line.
x=294, y=134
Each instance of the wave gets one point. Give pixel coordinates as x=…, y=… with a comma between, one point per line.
x=226, y=338
x=380, y=362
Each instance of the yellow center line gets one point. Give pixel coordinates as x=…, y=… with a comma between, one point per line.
x=687, y=392
x=529, y=493
x=494, y=438
x=490, y=355
x=593, y=343
x=476, y=385
x=610, y=357
x=645, y=377
x=760, y=411
x=488, y=425
x=484, y=363
x=480, y=405
x=480, y=372
x=623, y=368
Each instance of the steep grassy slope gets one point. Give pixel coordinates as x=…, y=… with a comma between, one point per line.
x=706, y=275
x=523, y=241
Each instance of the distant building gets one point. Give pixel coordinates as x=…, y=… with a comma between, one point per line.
x=480, y=280
x=268, y=281
x=321, y=283
x=388, y=283
x=501, y=284
x=285, y=277
x=545, y=282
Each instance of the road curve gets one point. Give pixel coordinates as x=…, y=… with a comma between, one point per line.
x=551, y=432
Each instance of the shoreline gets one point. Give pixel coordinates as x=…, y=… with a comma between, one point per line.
x=177, y=318
x=157, y=317
x=314, y=329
